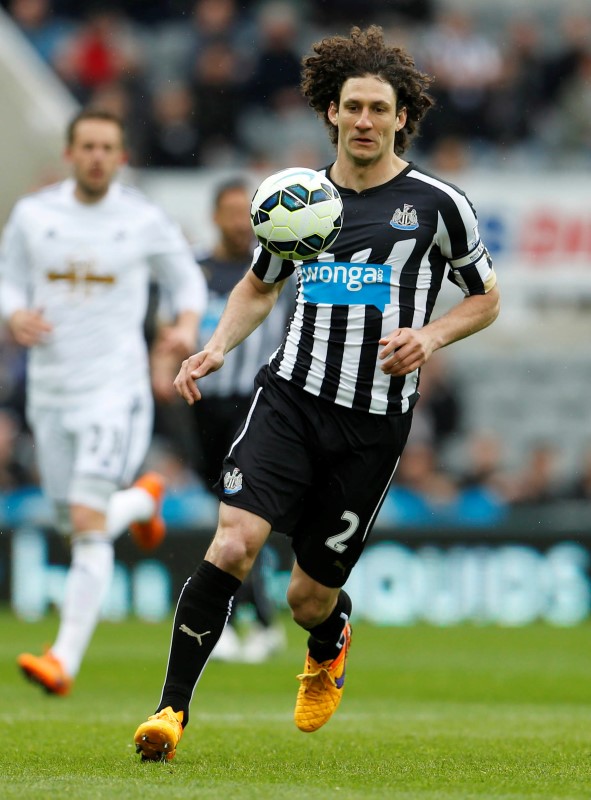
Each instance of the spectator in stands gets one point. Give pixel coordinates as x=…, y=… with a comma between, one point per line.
x=423, y=493
x=574, y=109
x=580, y=486
x=277, y=66
x=482, y=455
x=44, y=30
x=485, y=486
x=277, y=120
x=539, y=480
x=450, y=155
x=466, y=64
x=218, y=103
x=223, y=21
x=562, y=61
x=516, y=101
x=173, y=138
x=341, y=12
x=104, y=48
x=426, y=495
x=440, y=404
x=177, y=44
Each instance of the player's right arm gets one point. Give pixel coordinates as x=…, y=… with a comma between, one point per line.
x=249, y=303
x=27, y=325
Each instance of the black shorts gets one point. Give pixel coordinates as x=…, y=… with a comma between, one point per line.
x=315, y=471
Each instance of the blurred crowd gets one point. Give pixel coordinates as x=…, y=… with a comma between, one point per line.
x=214, y=82
x=451, y=474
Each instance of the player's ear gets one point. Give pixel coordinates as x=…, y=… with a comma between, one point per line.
x=333, y=113
x=401, y=118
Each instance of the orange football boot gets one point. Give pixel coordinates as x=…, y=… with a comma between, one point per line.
x=47, y=671
x=148, y=535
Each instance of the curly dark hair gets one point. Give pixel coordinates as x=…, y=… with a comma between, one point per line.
x=364, y=52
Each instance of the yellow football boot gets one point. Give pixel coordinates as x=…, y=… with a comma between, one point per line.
x=321, y=688
x=157, y=738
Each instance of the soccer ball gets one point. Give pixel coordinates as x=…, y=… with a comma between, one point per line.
x=296, y=213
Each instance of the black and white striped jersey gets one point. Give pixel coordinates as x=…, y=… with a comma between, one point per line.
x=384, y=272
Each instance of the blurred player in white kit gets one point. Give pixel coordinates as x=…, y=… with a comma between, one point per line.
x=75, y=266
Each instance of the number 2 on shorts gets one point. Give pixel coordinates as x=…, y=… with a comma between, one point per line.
x=337, y=542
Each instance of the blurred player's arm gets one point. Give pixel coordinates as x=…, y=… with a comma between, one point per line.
x=172, y=343
x=184, y=293
x=27, y=325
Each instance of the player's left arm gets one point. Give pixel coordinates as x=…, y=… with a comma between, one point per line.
x=407, y=349
x=183, y=293
x=172, y=343
x=179, y=338
x=186, y=290
x=181, y=282
x=471, y=269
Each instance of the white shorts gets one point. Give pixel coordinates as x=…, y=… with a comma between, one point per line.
x=86, y=454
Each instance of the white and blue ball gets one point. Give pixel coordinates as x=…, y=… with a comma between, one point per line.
x=296, y=213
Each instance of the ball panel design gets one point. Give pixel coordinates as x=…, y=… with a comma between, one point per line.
x=300, y=192
x=331, y=237
x=290, y=202
x=269, y=203
x=320, y=195
x=260, y=217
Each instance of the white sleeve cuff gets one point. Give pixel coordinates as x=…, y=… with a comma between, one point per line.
x=12, y=298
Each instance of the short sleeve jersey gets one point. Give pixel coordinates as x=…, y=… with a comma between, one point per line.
x=88, y=267
x=384, y=271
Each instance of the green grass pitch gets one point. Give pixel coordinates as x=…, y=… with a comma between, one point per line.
x=464, y=712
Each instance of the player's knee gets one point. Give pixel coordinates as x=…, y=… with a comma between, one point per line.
x=237, y=542
x=84, y=519
x=309, y=610
x=233, y=554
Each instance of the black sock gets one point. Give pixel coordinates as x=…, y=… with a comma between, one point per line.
x=202, y=611
x=324, y=639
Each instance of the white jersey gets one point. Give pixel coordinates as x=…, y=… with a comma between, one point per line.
x=88, y=268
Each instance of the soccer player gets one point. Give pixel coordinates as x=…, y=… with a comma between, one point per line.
x=75, y=267
x=331, y=413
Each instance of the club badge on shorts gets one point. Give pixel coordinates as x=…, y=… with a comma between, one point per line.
x=233, y=481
